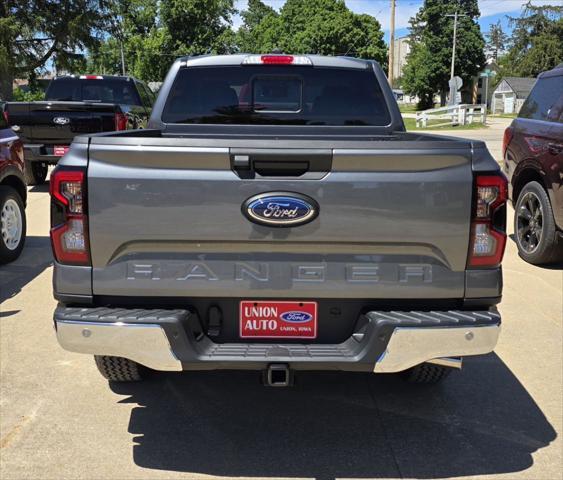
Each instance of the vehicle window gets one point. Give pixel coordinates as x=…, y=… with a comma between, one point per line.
x=147, y=100
x=276, y=95
x=3, y=122
x=107, y=90
x=546, y=93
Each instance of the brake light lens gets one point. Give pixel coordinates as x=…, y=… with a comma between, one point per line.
x=91, y=77
x=120, y=121
x=276, y=60
x=506, y=139
x=69, y=222
x=6, y=116
x=488, y=226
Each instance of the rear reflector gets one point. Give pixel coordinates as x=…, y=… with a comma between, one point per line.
x=276, y=60
x=488, y=236
x=69, y=223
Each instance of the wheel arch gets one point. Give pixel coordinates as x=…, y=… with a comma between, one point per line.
x=528, y=173
x=16, y=182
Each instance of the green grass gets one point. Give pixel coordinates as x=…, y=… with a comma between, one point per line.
x=505, y=115
x=407, y=108
x=410, y=124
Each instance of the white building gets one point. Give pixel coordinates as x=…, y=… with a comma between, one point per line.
x=510, y=94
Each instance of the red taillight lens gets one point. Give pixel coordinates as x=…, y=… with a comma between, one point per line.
x=277, y=59
x=488, y=235
x=6, y=117
x=506, y=139
x=69, y=222
x=120, y=121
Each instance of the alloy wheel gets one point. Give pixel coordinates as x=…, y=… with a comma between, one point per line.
x=11, y=224
x=529, y=222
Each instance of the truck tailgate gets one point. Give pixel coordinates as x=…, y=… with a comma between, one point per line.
x=60, y=122
x=165, y=220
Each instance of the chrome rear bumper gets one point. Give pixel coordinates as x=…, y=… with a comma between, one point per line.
x=384, y=341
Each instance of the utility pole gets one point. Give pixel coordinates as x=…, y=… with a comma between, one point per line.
x=122, y=58
x=391, y=44
x=452, y=88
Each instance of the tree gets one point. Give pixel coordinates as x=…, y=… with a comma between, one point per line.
x=497, y=40
x=154, y=33
x=536, y=41
x=252, y=17
x=35, y=32
x=325, y=27
x=431, y=34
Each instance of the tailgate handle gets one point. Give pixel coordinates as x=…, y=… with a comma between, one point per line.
x=280, y=169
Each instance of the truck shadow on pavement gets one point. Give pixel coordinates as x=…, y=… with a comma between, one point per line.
x=333, y=424
x=35, y=258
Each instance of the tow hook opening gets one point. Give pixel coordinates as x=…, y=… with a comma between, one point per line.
x=278, y=375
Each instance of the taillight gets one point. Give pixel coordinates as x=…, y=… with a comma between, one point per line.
x=69, y=222
x=120, y=121
x=6, y=116
x=488, y=226
x=506, y=139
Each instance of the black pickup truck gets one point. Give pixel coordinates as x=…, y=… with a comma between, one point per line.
x=75, y=105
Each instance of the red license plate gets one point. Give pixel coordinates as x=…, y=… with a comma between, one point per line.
x=60, y=150
x=273, y=319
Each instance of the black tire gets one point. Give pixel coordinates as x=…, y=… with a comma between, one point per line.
x=426, y=373
x=536, y=237
x=119, y=369
x=35, y=172
x=10, y=200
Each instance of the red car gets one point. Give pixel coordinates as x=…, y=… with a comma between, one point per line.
x=13, y=194
x=533, y=162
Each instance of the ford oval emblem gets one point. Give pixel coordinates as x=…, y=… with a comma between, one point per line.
x=61, y=120
x=280, y=209
x=296, y=317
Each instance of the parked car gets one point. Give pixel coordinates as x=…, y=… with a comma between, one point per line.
x=13, y=194
x=76, y=105
x=276, y=216
x=533, y=162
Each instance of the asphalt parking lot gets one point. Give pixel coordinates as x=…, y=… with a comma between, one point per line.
x=501, y=417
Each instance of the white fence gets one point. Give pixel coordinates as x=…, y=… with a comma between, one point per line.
x=453, y=115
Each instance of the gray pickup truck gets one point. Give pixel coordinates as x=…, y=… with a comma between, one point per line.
x=276, y=216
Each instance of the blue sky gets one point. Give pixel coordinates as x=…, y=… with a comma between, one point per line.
x=491, y=11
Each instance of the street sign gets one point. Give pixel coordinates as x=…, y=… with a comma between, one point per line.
x=455, y=83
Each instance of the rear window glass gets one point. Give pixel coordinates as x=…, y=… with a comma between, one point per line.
x=275, y=95
x=94, y=90
x=3, y=122
x=546, y=94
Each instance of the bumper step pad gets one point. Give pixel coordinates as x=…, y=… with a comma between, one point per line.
x=384, y=341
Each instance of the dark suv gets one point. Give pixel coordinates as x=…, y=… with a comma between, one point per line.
x=533, y=162
x=13, y=194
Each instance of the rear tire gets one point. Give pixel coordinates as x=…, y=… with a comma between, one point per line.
x=118, y=369
x=35, y=172
x=12, y=224
x=426, y=373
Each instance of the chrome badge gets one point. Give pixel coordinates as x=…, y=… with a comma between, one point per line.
x=280, y=209
x=61, y=120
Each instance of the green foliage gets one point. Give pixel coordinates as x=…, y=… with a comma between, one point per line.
x=28, y=95
x=428, y=67
x=497, y=40
x=325, y=27
x=34, y=32
x=537, y=41
x=154, y=33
